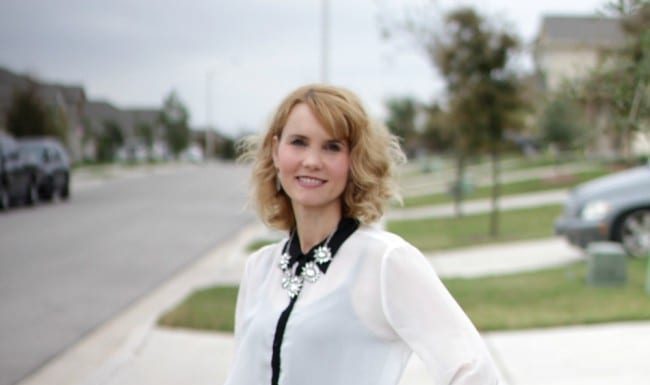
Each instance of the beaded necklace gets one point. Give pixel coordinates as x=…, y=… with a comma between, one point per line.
x=310, y=272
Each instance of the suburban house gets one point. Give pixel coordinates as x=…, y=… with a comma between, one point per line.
x=69, y=100
x=86, y=119
x=99, y=113
x=568, y=48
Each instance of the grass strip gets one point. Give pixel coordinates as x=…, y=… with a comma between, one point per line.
x=258, y=244
x=210, y=308
x=549, y=298
x=444, y=233
x=545, y=298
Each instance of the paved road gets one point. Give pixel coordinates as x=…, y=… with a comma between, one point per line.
x=66, y=268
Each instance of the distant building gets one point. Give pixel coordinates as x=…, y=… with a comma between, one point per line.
x=99, y=113
x=569, y=46
x=85, y=118
x=69, y=100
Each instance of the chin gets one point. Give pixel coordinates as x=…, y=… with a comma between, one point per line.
x=315, y=204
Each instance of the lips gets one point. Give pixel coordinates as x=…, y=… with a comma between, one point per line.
x=307, y=181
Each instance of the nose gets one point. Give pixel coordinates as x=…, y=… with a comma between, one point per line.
x=312, y=159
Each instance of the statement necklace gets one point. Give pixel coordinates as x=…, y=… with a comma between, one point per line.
x=310, y=272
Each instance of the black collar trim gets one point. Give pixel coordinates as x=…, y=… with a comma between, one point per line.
x=345, y=228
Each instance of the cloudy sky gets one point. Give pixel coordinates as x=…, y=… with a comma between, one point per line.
x=247, y=54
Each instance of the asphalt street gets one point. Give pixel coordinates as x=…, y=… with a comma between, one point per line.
x=67, y=267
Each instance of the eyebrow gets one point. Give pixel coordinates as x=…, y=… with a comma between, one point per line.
x=300, y=136
x=336, y=141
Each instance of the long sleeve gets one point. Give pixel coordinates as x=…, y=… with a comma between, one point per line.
x=427, y=318
x=240, y=307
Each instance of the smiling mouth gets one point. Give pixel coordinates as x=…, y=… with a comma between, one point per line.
x=309, y=181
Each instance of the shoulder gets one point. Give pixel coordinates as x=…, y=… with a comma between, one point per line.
x=262, y=259
x=381, y=243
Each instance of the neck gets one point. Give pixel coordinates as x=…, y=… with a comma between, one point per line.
x=313, y=227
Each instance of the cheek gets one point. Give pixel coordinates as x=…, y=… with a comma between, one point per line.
x=287, y=159
x=341, y=169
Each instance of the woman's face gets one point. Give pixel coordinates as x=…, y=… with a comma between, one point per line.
x=312, y=166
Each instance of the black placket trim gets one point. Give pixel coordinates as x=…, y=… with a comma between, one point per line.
x=346, y=227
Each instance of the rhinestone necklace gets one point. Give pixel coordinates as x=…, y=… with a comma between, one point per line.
x=310, y=272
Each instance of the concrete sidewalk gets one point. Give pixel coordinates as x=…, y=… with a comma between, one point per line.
x=132, y=350
x=479, y=206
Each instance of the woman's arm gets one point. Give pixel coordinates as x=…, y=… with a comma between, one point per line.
x=425, y=315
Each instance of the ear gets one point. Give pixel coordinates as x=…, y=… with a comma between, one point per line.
x=274, y=150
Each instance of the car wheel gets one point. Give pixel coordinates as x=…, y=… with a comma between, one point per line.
x=634, y=233
x=32, y=193
x=65, y=189
x=47, y=190
x=4, y=199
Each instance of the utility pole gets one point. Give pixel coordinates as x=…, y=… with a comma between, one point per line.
x=209, y=134
x=325, y=26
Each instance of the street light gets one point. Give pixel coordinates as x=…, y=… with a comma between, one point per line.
x=325, y=41
x=209, y=142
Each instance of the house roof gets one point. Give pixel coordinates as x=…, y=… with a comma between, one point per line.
x=96, y=112
x=590, y=31
x=52, y=94
x=99, y=112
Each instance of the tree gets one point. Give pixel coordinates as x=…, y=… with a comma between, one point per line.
x=619, y=87
x=109, y=140
x=29, y=116
x=145, y=132
x=174, y=118
x=402, y=113
x=485, y=95
x=227, y=149
x=436, y=134
x=560, y=123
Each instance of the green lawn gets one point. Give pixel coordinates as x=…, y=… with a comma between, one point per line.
x=258, y=244
x=528, y=186
x=469, y=230
x=553, y=297
x=206, y=309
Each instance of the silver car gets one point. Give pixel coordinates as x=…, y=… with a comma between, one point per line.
x=615, y=208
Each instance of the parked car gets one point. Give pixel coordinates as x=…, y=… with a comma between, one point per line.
x=17, y=177
x=615, y=208
x=52, y=165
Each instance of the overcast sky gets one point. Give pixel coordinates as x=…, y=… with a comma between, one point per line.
x=134, y=52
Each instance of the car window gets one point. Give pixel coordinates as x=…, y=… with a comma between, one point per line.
x=56, y=155
x=7, y=146
x=38, y=152
x=13, y=154
x=9, y=150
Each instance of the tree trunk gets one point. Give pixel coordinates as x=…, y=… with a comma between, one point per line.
x=456, y=188
x=631, y=120
x=496, y=191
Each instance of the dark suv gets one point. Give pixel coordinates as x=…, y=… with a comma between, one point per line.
x=18, y=178
x=52, y=165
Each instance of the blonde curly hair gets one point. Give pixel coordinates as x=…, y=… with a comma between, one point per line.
x=374, y=154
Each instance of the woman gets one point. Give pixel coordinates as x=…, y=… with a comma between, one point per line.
x=339, y=301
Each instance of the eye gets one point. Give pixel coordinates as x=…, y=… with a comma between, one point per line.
x=298, y=142
x=334, y=146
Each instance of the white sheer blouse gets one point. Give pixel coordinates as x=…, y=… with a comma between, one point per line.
x=379, y=301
